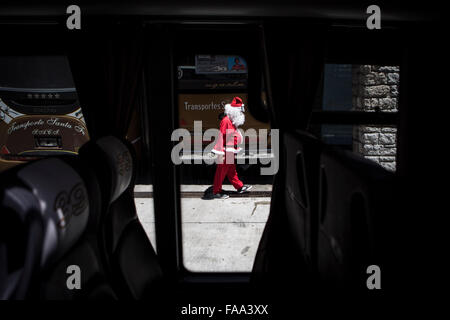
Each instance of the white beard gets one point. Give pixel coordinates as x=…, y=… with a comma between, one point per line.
x=236, y=116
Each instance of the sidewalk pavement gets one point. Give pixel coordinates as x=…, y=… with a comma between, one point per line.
x=218, y=235
x=201, y=187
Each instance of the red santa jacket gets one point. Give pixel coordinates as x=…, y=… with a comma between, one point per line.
x=229, y=138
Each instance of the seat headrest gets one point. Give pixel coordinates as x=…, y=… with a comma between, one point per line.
x=64, y=203
x=113, y=163
x=19, y=200
x=93, y=190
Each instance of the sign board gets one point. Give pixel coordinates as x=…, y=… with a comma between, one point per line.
x=206, y=64
x=207, y=107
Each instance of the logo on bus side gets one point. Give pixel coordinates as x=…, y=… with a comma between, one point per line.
x=40, y=122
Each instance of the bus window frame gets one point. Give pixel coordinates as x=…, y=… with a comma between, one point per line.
x=168, y=228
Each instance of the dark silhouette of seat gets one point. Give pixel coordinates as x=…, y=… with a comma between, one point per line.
x=288, y=248
x=86, y=253
x=357, y=200
x=21, y=239
x=330, y=218
x=65, y=216
x=131, y=260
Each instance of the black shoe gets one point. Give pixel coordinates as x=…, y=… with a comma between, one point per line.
x=245, y=188
x=220, y=195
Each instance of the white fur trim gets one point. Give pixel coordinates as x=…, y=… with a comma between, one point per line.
x=217, y=151
x=229, y=104
x=233, y=150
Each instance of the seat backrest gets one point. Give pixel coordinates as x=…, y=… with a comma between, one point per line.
x=85, y=254
x=302, y=154
x=356, y=199
x=64, y=208
x=287, y=251
x=128, y=253
x=64, y=201
x=112, y=161
x=21, y=239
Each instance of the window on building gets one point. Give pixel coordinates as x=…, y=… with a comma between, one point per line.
x=358, y=110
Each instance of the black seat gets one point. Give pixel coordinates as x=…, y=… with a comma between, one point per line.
x=301, y=194
x=127, y=251
x=288, y=248
x=21, y=239
x=64, y=208
x=86, y=253
x=357, y=199
x=332, y=218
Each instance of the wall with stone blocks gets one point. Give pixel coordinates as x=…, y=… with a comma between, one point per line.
x=375, y=89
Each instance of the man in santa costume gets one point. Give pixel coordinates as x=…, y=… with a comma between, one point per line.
x=226, y=148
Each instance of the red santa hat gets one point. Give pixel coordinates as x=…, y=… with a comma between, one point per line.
x=237, y=103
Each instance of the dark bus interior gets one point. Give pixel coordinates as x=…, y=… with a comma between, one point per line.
x=332, y=213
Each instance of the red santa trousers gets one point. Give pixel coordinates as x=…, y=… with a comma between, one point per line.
x=226, y=169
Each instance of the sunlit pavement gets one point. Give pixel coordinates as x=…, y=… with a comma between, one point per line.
x=218, y=235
